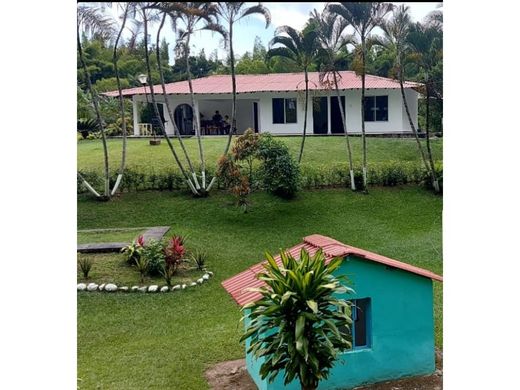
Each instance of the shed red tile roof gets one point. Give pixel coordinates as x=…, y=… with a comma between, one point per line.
x=274, y=82
x=239, y=284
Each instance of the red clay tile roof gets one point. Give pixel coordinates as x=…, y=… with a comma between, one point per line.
x=238, y=285
x=274, y=82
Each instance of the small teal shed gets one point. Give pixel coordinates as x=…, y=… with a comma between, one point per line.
x=392, y=333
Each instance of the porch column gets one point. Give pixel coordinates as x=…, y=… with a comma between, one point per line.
x=329, y=118
x=135, y=112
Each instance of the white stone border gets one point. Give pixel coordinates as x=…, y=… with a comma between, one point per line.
x=111, y=287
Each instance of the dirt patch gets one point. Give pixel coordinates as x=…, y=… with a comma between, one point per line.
x=233, y=375
x=230, y=375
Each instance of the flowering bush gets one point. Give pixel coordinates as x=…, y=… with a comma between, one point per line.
x=134, y=250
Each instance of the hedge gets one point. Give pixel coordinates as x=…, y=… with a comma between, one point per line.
x=392, y=173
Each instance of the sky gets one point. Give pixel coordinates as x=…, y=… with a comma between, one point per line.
x=293, y=14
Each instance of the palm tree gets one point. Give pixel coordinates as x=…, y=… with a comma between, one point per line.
x=231, y=13
x=396, y=40
x=91, y=20
x=190, y=14
x=146, y=16
x=363, y=17
x=127, y=9
x=333, y=41
x=301, y=48
x=425, y=41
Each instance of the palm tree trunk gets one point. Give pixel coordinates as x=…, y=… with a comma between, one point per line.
x=101, y=124
x=428, y=145
x=305, y=117
x=363, y=136
x=344, y=121
x=195, y=115
x=412, y=126
x=168, y=107
x=121, y=104
x=156, y=109
x=89, y=187
x=234, y=88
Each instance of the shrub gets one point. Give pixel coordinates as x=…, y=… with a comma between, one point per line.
x=154, y=254
x=279, y=173
x=199, y=258
x=299, y=325
x=245, y=148
x=116, y=128
x=143, y=178
x=134, y=250
x=86, y=126
x=174, y=252
x=85, y=265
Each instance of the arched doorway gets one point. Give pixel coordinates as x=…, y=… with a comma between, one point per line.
x=184, y=119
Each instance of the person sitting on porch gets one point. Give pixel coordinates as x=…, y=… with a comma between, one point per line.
x=217, y=118
x=226, y=124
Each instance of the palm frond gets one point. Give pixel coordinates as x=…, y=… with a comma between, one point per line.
x=258, y=9
x=282, y=52
x=92, y=20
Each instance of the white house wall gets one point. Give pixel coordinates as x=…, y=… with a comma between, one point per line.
x=412, y=101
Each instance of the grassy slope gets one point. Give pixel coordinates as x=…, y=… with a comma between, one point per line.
x=318, y=150
x=166, y=341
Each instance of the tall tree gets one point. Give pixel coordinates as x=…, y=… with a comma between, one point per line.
x=363, y=17
x=194, y=16
x=395, y=39
x=128, y=7
x=147, y=15
x=92, y=20
x=301, y=48
x=332, y=37
x=231, y=13
x=425, y=41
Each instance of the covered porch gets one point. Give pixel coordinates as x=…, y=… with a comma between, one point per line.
x=214, y=112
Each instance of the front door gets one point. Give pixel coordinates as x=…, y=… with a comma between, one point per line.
x=320, y=115
x=336, y=124
x=183, y=116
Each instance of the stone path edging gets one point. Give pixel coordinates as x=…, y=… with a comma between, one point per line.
x=111, y=287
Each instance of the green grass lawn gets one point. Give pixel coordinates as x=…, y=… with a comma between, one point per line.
x=136, y=341
x=318, y=150
x=120, y=235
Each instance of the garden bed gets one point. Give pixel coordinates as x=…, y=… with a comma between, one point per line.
x=112, y=268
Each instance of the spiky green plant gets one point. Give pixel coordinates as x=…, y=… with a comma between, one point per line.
x=298, y=325
x=85, y=265
x=141, y=263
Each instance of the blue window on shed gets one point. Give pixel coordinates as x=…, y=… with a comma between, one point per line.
x=361, y=322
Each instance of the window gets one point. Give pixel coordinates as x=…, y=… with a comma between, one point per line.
x=284, y=110
x=360, y=328
x=376, y=108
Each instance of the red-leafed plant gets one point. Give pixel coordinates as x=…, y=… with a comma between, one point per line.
x=173, y=256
